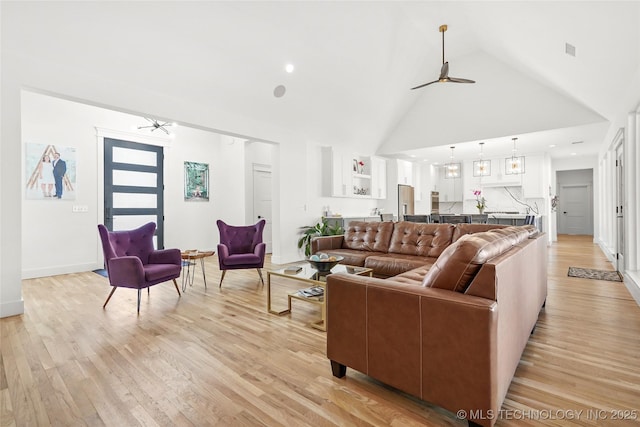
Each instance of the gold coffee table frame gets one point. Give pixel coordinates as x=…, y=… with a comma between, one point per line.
x=309, y=275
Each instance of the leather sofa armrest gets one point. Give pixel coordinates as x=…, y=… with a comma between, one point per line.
x=325, y=243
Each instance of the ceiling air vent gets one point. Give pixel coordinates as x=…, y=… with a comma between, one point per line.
x=569, y=49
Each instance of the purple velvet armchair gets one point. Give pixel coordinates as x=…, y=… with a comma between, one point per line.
x=241, y=247
x=132, y=262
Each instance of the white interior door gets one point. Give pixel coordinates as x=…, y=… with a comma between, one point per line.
x=262, y=200
x=575, y=210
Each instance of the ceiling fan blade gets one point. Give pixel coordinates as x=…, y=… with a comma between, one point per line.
x=426, y=84
x=444, y=71
x=459, y=80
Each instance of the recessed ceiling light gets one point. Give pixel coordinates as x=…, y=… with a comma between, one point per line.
x=289, y=68
x=412, y=156
x=552, y=145
x=573, y=154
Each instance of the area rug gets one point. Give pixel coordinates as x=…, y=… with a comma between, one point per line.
x=589, y=273
x=101, y=272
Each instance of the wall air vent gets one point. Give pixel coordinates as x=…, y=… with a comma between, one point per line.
x=576, y=142
x=569, y=49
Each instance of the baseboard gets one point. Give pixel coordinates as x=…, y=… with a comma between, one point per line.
x=632, y=282
x=609, y=253
x=64, y=269
x=11, y=308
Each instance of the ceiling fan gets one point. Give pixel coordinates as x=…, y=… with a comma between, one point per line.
x=444, y=71
x=155, y=124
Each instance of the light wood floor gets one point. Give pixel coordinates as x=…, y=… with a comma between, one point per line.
x=217, y=358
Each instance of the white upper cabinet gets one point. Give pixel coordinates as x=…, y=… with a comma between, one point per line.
x=450, y=189
x=349, y=175
x=378, y=178
x=533, y=184
x=405, y=172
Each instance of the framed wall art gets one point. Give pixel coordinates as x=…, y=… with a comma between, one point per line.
x=196, y=182
x=50, y=172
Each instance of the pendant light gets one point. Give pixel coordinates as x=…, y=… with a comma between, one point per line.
x=452, y=169
x=482, y=167
x=514, y=165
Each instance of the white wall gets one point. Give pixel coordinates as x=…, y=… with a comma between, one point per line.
x=48, y=222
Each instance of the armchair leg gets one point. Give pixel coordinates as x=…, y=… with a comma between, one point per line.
x=222, y=278
x=109, y=297
x=176, y=285
x=260, y=274
x=139, y=296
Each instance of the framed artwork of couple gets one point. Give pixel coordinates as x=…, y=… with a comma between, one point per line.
x=50, y=172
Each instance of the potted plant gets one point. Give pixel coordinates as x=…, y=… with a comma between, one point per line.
x=320, y=229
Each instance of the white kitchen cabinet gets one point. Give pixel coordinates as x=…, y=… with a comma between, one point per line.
x=450, y=188
x=417, y=181
x=532, y=179
x=349, y=175
x=340, y=172
x=405, y=172
x=378, y=178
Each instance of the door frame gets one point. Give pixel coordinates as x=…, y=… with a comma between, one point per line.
x=110, y=188
x=101, y=134
x=260, y=167
x=619, y=184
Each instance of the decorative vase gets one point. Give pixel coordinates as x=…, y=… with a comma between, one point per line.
x=481, y=210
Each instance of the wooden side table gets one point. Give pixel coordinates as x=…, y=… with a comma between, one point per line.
x=190, y=257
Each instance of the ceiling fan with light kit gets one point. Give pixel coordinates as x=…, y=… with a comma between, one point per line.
x=444, y=71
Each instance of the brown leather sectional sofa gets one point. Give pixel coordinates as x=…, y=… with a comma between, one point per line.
x=448, y=314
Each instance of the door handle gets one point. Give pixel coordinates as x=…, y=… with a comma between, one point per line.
x=259, y=216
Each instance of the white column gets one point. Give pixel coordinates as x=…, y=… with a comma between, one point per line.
x=632, y=191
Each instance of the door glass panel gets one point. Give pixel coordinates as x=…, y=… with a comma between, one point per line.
x=136, y=157
x=129, y=222
x=135, y=200
x=133, y=178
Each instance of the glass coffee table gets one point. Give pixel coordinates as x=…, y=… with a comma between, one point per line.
x=315, y=287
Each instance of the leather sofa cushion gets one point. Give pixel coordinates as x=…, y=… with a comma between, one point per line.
x=420, y=239
x=457, y=266
x=463, y=229
x=413, y=277
x=368, y=236
x=351, y=256
x=387, y=265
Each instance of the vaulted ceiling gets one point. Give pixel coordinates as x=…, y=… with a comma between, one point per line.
x=355, y=63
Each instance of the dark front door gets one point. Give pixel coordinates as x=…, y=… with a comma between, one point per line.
x=133, y=186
